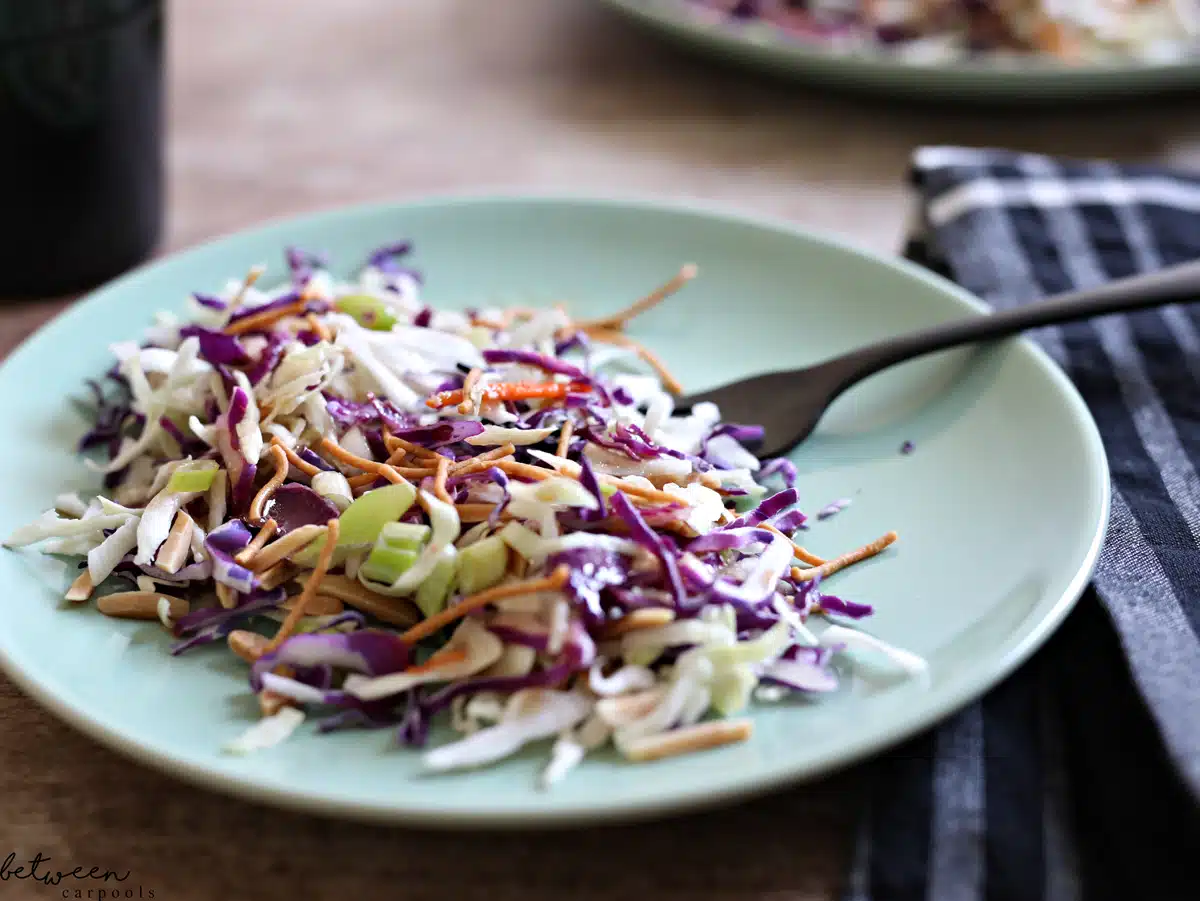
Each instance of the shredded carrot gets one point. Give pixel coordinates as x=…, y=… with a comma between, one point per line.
x=252, y=276
x=370, y=466
x=278, y=477
x=367, y=479
x=362, y=481
x=439, y=481
x=506, y=391
x=483, y=461
x=564, y=438
x=295, y=460
x=479, y=321
x=539, y=474
x=444, y=657
x=319, y=328
x=526, y=470
x=395, y=445
x=514, y=313
x=250, y=551
x=469, y=384
x=310, y=586
x=653, y=299
x=554, y=582
x=652, y=495
x=607, y=336
x=258, y=321
x=797, y=551
x=829, y=567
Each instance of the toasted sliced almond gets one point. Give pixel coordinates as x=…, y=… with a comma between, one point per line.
x=396, y=611
x=319, y=605
x=271, y=703
x=623, y=709
x=174, y=551
x=276, y=575
x=700, y=737
x=645, y=618
x=226, y=595
x=247, y=645
x=291, y=543
x=468, y=513
x=81, y=589
x=140, y=605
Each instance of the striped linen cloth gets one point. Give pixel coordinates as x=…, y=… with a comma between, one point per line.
x=1079, y=776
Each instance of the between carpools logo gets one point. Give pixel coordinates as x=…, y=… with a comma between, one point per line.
x=90, y=883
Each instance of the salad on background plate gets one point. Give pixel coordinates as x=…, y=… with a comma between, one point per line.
x=393, y=513
x=933, y=31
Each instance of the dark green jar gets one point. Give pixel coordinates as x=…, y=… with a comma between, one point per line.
x=81, y=125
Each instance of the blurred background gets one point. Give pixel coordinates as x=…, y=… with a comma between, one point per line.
x=278, y=107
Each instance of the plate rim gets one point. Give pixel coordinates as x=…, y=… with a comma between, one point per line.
x=244, y=787
x=669, y=17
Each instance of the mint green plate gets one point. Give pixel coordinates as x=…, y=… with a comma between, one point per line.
x=1000, y=509
x=1026, y=80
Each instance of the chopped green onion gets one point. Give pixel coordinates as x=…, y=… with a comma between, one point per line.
x=387, y=564
x=482, y=565
x=363, y=521
x=767, y=646
x=643, y=656
x=731, y=689
x=431, y=596
x=365, y=518
x=408, y=536
x=369, y=312
x=196, y=476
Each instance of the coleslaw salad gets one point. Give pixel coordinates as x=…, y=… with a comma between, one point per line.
x=392, y=513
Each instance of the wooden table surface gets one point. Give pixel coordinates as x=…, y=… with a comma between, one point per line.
x=278, y=107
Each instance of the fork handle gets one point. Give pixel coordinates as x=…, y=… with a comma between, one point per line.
x=1170, y=285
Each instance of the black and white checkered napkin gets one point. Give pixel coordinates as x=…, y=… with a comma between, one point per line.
x=1079, y=776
